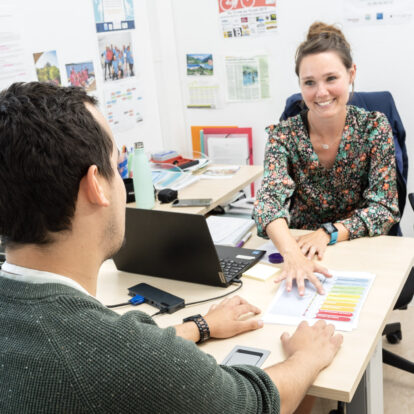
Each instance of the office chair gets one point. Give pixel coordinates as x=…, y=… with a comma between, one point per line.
x=392, y=331
x=382, y=102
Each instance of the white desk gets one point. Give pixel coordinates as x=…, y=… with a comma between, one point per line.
x=390, y=258
x=219, y=190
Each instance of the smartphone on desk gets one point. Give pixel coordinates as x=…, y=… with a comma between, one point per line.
x=192, y=202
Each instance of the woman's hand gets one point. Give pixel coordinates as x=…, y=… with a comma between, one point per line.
x=314, y=243
x=297, y=266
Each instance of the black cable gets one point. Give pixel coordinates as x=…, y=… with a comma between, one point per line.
x=239, y=282
x=136, y=300
x=118, y=304
x=158, y=313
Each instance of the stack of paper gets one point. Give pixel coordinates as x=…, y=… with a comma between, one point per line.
x=172, y=179
x=228, y=230
x=242, y=207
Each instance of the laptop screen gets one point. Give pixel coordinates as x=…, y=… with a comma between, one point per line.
x=170, y=245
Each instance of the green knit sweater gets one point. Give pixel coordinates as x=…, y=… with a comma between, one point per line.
x=62, y=351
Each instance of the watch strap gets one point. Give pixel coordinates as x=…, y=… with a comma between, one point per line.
x=334, y=238
x=202, y=326
x=333, y=234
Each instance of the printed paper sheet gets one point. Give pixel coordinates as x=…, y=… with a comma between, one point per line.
x=247, y=78
x=345, y=294
x=13, y=67
x=377, y=12
x=247, y=18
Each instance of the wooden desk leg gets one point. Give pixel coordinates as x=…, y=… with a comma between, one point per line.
x=369, y=396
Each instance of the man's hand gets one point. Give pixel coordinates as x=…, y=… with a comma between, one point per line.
x=314, y=243
x=297, y=266
x=309, y=350
x=224, y=319
x=317, y=341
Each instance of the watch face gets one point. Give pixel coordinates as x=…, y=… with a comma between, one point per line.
x=330, y=228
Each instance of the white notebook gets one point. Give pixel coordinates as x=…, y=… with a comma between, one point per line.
x=228, y=231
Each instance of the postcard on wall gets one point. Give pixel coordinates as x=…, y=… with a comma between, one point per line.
x=14, y=66
x=247, y=18
x=111, y=15
x=247, y=78
x=379, y=12
x=47, y=67
x=82, y=75
x=200, y=64
x=117, y=56
x=123, y=106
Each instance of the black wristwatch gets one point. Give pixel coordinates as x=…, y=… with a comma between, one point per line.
x=201, y=325
x=331, y=231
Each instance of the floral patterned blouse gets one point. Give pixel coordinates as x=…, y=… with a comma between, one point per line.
x=359, y=190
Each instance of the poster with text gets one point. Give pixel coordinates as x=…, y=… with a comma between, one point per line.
x=377, y=12
x=112, y=15
x=81, y=75
x=13, y=64
x=47, y=67
x=247, y=78
x=247, y=18
x=117, y=56
x=123, y=106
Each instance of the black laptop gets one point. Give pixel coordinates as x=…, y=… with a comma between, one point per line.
x=179, y=246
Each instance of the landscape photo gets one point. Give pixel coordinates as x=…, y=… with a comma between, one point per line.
x=199, y=64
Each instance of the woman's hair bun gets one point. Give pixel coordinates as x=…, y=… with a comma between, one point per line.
x=322, y=38
x=319, y=28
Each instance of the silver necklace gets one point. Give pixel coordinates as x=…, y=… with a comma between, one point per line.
x=324, y=146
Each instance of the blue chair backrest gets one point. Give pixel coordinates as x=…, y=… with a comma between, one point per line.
x=373, y=101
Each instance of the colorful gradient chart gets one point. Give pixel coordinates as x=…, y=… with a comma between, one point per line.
x=340, y=305
x=343, y=299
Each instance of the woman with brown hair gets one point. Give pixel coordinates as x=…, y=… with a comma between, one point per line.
x=330, y=169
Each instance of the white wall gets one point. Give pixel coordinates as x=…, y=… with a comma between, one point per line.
x=69, y=28
x=384, y=57
x=168, y=29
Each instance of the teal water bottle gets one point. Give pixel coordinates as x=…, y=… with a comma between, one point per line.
x=142, y=178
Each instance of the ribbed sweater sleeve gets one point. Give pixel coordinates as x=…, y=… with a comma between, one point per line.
x=112, y=363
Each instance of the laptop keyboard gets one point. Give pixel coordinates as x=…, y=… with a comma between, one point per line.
x=233, y=268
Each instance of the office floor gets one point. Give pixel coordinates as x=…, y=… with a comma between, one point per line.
x=398, y=385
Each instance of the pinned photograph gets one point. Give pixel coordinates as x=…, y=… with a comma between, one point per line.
x=113, y=15
x=47, y=67
x=250, y=75
x=117, y=58
x=81, y=75
x=199, y=64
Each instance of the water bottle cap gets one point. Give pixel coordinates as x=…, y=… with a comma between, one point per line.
x=138, y=145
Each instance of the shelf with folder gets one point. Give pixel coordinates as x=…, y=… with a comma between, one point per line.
x=220, y=191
